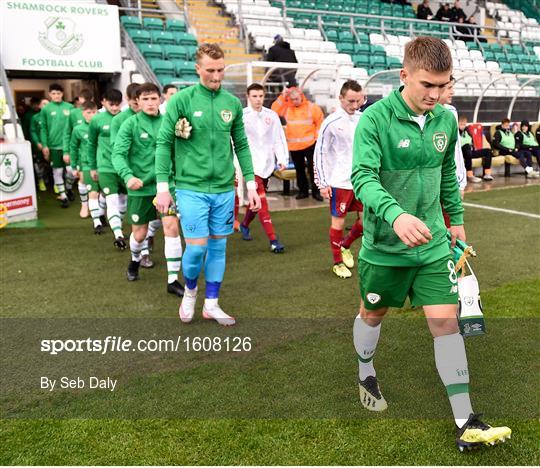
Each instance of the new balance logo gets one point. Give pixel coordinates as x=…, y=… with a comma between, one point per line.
x=404, y=143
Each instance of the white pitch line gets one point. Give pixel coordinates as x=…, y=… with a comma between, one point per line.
x=503, y=210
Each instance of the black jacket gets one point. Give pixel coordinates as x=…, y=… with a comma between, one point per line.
x=443, y=15
x=281, y=52
x=423, y=12
x=496, y=143
x=519, y=141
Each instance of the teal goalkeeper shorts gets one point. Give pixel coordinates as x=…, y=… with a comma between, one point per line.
x=386, y=286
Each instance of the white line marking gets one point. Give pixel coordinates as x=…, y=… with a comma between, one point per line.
x=503, y=210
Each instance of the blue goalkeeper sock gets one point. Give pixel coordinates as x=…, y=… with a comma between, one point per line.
x=214, y=268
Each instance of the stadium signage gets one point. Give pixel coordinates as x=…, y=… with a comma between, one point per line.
x=53, y=35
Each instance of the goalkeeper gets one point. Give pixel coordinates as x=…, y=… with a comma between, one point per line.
x=403, y=164
x=197, y=129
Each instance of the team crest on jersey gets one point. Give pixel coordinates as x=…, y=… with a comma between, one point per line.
x=373, y=298
x=226, y=115
x=440, y=141
x=66, y=112
x=144, y=135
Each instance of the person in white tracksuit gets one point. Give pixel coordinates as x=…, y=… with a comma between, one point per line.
x=332, y=169
x=267, y=144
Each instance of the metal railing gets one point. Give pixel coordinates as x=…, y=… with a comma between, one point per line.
x=13, y=118
x=141, y=63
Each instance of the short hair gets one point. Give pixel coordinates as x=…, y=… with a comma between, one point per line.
x=427, y=53
x=114, y=96
x=213, y=50
x=254, y=87
x=131, y=90
x=505, y=120
x=89, y=105
x=169, y=86
x=86, y=94
x=147, y=88
x=56, y=87
x=352, y=85
x=35, y=100
x=462, y=118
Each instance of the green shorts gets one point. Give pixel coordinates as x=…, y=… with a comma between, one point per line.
x=111, y=183
x=141, y=210
x=57, y=158
x=432, y=284
x=90, y=183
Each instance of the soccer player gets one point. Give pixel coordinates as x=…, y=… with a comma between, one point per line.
x=53, y=119
x=35, y=137
x=76, y=118
x=169, y=91
x=267, y=143
x=403, y=165
x=198, y=127
x=101, y=168
x=134, y=160
x=333, y=166
x=78, y=153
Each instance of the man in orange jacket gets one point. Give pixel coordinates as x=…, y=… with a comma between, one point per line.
x=303, y=119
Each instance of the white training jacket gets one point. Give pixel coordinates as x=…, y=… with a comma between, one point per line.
x=334, y=150
x=461, y=173
x=266, y=139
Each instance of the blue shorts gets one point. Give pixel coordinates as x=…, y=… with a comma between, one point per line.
x=205, y=214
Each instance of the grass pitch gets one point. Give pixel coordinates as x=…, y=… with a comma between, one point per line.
x=293, y=398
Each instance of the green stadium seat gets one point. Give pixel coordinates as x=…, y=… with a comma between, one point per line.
x=346, y=36
x=377, y=50
x=374, y=9
x=130, y=22
x=161, y=66
x=489, y=55
x=495, y=47
x=151, y=51
x=377, y=61
x=140, y=36
x=361, y=60
x=175, y=52
x=505, y=67
x=174, y=25
x=154, y=24
x=500, y=56
x=362, y=49
x=393, y=62
x=363, y=37
x=184, y=67
x=331, y=35
x=345, y=48
x=190, y=78
x=374, y=70
x=512, y=57
x=184, y=38
x=162, y=37
x=191, y=50
x=165, y=79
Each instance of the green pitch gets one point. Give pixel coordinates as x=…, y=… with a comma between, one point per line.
x=293, y=398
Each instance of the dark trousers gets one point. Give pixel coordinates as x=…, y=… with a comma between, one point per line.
x=535, y=151
x=299, y=159
x=525, y=157
x=469, y=154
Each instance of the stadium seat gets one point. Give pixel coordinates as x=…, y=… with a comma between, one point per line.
x=184, y=67
x=174, y=25
x=162, y=37
x=175, y=52
x=130, y=22
x=153, y=24
x=184, y=38
x=151, y=51
x=161, y=66
x=140, y=36
x=166, y=79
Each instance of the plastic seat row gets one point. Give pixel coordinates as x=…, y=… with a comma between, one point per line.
x=155, y=24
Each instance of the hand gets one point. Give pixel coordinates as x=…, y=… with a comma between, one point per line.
x=462, y=193
x=326, y=192
x=66, y=159
x=94, y=175
x=46, y=153
x=75, y=173
x=411, y=230
x=457, y=232
x=163, y=201
x=254, y=200
x=282, y=167
x=134, y=183
x=40, y=147
x=183, y=128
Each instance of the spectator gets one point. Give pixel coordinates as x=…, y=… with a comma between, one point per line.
x=444, y=13
x=424, y=11
x=281, y=52
x=469, y=153
x=457, y=13
x=505, y=142
x=303, y=119
x=473, y=31
x=526, y=141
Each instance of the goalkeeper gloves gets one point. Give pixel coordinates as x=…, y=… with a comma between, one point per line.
x=183, y=128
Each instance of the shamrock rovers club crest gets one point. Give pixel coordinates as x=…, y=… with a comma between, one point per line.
x=440, y=141
x=60, y=36
x=11, y=176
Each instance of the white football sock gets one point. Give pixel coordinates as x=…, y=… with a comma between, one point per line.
x=365, y=343
x=135, y=248
x=153, y=226
x=83, y=192
x=113, y=215
x=58, y=177
x=173, y=255
x=93, y=204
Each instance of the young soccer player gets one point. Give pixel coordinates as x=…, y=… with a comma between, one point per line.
x=53, y=119
x=134, y=160
x=101, y=168
x=40, y=166
x=197, y=129
x=78, y=153
x=169, y=91
x=403, y=165
x=333, y=166
x=267, y=144
x=75, y=118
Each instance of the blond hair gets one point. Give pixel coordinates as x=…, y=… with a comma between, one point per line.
x=427, y=53
x=214, y=51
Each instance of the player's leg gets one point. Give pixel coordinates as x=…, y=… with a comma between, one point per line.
x=138, y=233
x=57, y=165
x=83, y=194
x=110, y=184
x=435, y=289
x=70, y=181
x=220, y=225
x=194, y=208
x=264, y=217
x=173, y=254
x=380, y=288
x=39, y=170
x=140, y=212
x=356, y=231
x=338, y=212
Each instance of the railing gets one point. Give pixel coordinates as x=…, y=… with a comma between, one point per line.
x=140, y=62
x=13, y=119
